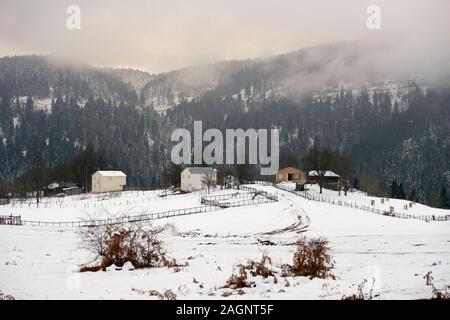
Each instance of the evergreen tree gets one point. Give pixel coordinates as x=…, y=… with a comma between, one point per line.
x=401, y=192
x=394, y=189
x=355, y=183
x=443, y=200
x=413, y=196
x=173, y=173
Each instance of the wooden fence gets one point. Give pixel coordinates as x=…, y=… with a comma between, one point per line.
x=255, y=191
x=266, y=197
x=11, y=220
x=218, y=202
x=120, y=220
x=355, y=205
x=250, y=196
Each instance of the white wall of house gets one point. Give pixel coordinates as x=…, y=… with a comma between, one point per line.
x=194, y=181
x=108, y=181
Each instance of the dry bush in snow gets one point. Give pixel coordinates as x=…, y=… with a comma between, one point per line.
x=436, y=294
x=360, y=293
x=6, y=296
x=440, y=295
x=262, y=268
x=239, y=280
x=116, y=244
x=167, y=295
x=311, y=259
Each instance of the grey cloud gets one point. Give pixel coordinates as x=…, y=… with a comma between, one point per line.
x=164, y=35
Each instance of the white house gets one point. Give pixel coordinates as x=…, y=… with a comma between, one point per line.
x=108, y=181
x=314, y=173
x=328, y=177
x=197, y=178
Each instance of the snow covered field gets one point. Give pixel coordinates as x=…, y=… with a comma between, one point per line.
x=101, y=206
x=384, y=204
x=43, y=263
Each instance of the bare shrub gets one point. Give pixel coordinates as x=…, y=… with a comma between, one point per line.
x=286, y=270
x=239, y=280
x=6, y=296
x=287, y=284
x=360, y=293
x=177, y=269
x=120, y=243
x=172, y=263
x=310, y=260
x=169, y=295
x=429, y=278
x=90, y=269
x=440, y=295
x=436, y=294
x=352, y=297
x=261, y=268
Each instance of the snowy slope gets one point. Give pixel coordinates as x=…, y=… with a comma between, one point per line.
x=42, y=263
x=359, y=198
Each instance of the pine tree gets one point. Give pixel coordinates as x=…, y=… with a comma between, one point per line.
x=401, y=192
x=443, y=200
x=394, y=189
x=413, y=196
x=355, y=183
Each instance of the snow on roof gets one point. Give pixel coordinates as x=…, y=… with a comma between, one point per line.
x=71, y=188
x=200, y=170
x=53, y=185
x=111, y=173
x=327, y=174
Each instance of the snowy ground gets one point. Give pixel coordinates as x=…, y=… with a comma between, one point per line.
x=383, y=204
x=43, y=263
x=101, y=206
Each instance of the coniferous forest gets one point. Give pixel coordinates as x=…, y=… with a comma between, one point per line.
x=61, y=121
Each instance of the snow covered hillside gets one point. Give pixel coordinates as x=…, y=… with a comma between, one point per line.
x=392, y=254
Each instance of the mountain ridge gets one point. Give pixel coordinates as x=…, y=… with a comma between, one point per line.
x=302, y=93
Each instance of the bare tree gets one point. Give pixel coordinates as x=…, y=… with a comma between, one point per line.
x=343, y=184
x=221, y=178
x=37, y=175
x=208, y=181
x=320, y=161
x=373, y=184
x=164, y=182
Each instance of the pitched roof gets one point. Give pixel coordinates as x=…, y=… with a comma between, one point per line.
x=327, y=174
x=200, y=170
x=289, y=169
x=53, y=185
x=111, y=173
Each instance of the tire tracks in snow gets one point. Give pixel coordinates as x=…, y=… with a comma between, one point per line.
x=299, y=227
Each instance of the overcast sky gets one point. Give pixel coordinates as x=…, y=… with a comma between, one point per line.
x=162, y=35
